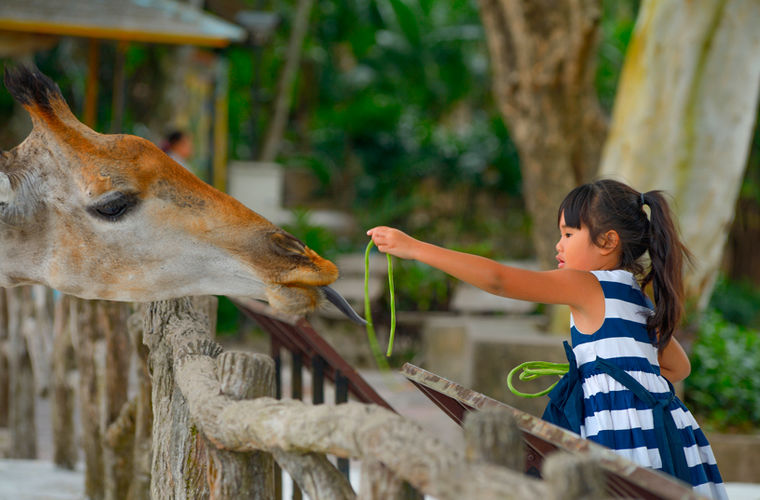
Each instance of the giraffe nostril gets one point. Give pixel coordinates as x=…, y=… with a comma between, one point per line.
x=285, y=244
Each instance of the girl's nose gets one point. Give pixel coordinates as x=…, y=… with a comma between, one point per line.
x=557, y=246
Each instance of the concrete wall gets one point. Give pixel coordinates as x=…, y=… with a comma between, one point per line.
x=479, y=351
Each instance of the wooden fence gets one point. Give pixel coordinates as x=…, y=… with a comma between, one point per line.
x=205, y=423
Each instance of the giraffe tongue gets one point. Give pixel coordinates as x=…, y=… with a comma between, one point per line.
x=342, y=305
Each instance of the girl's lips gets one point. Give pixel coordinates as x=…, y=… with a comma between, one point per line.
x=560, y=263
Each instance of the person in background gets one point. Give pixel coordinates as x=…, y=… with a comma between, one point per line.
x=179, y=146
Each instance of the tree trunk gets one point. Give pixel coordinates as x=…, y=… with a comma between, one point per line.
x=543, y=57
x=683, y=117
x=285, y=85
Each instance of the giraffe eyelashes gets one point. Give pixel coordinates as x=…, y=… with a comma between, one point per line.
x=113, y=206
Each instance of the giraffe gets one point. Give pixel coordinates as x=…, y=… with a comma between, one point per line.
x=112, y=217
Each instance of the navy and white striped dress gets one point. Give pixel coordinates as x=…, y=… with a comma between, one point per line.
x=613, y=364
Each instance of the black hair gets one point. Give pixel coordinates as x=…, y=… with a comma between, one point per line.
x=607, y=205
x=174, y=137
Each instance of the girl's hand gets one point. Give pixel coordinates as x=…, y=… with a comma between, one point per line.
x=393, y=241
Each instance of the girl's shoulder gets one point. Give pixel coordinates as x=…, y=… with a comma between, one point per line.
x=621, y=284
x=616, y=276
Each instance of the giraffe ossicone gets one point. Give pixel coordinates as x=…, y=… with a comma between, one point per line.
x=112, y=217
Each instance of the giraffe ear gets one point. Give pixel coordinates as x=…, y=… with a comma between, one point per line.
x=6, y=191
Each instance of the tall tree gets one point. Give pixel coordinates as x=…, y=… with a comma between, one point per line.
x=543, y=62
x=683, y=117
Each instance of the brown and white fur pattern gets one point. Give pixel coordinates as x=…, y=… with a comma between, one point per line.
x=112, y=217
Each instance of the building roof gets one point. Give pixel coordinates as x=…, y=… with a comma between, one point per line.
x=156, y=21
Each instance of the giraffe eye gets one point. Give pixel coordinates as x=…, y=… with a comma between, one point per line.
x=113, y=206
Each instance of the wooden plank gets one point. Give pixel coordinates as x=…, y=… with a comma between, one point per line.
x=625, y=479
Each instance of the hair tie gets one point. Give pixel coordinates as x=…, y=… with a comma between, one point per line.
x=642, y=203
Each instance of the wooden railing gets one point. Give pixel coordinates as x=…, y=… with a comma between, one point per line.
x=205, y=423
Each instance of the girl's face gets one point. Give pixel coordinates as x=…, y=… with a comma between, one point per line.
x=575, y=249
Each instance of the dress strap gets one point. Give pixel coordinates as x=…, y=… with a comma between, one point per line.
x=669, y=440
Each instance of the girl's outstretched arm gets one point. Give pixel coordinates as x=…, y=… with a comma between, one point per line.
x=579, y=289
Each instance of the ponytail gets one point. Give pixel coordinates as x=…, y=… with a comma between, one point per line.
x=666, y=254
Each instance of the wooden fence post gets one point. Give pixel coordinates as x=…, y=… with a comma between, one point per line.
x=4, y=369
x=139, y=488
x=23, y=436
x=233, y=475
x=84, y=334
x=492, y=436
x=117, y=419
x=39, y=336
x=572, y=477
x=178, y=467
x=378, y=482
x=65, y=450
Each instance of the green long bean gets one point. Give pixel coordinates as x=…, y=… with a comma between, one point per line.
x=534, y=369
x=374, y=346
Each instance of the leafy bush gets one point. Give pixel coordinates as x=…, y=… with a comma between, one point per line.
x=738, y=302
x=419, y=287
x=724, y=385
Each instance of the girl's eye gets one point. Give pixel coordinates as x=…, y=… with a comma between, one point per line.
x=567, y=235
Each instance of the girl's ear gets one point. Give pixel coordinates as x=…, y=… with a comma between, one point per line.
x=610, y=241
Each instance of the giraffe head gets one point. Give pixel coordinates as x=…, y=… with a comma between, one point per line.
x=112, y=217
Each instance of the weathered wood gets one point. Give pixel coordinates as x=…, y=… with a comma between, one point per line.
x=118, y=453
x=65, y=450
x=140, y=485
x=314, y=474
x=242, y=475
x=350, y=430
x=379, y=483
x=573, y=477
x=38, y=333
x=4, y=369
x=492, y=436
x=84, y=336
x=208, y=306
x=178, y=466
x=119, y=439
x=21, y=390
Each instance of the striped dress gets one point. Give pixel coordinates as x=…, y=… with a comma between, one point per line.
x=626, y=404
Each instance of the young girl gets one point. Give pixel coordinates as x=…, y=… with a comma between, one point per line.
x=624, y=358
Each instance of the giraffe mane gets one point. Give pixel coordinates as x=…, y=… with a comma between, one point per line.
x=30, y=87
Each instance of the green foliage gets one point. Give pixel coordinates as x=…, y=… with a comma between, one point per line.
x=420, y=287
x=391, y=95
x=227, y=317
x=724, y=385
x=738, y=302
x=318, y=238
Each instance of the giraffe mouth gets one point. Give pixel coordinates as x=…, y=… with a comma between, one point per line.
x=342, y=304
